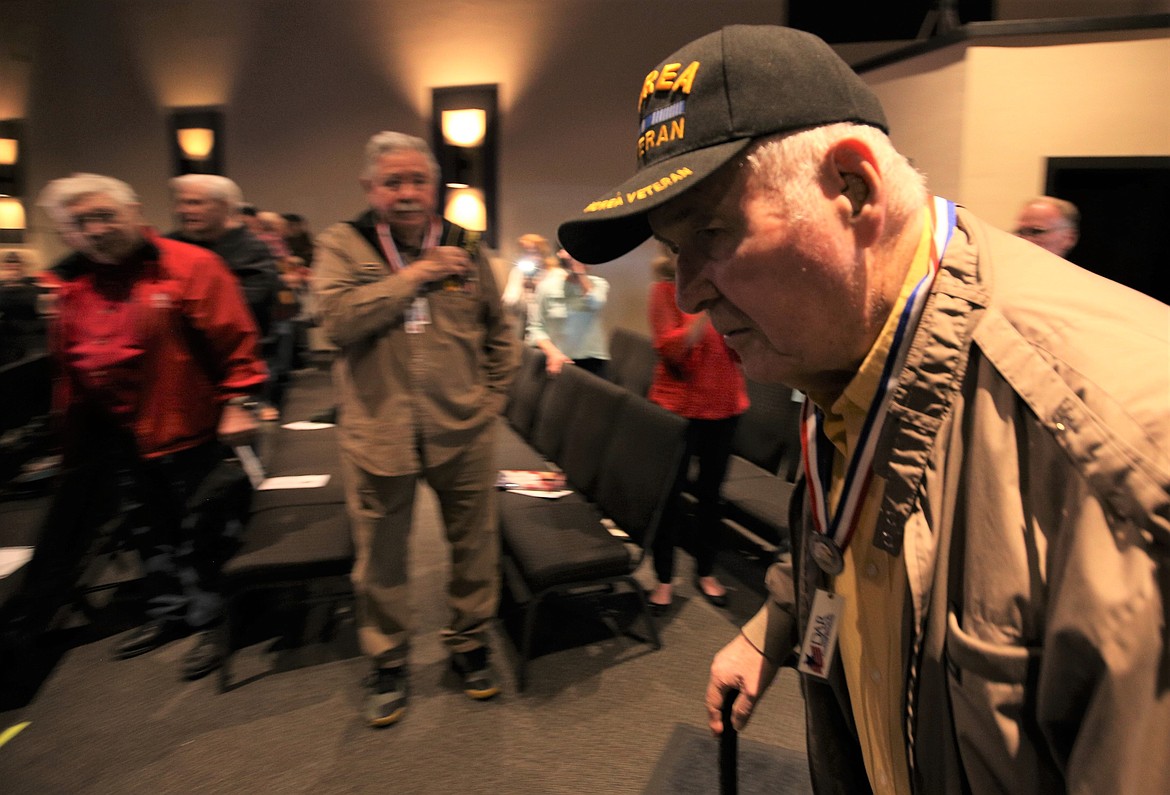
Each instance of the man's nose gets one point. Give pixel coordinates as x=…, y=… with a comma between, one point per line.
x=693, y=292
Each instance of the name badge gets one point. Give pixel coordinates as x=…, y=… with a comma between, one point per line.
x=820, y=637
x=418, y=316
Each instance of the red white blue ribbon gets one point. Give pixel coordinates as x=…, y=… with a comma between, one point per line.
x=817, y=452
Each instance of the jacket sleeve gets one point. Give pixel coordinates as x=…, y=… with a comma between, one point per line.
x=774, y=629
x=256, y=272
x=357, y=295
x=215, y=309
x=501, y=345
x=668, y=328
x=1103, y=684
x=535, y=331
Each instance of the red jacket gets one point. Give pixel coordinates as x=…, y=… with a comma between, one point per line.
x=703, y=382
x=156, y=344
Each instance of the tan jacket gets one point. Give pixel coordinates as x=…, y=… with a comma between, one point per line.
x=1028, y=495
x=402, y=396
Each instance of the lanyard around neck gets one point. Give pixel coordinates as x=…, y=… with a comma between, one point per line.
x=390, y=249
x=833, y=533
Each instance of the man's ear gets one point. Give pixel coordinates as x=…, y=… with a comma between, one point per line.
x=858, y=183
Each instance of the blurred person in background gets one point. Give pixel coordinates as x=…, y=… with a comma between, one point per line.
x=564, y=319
x=1052, y=224
x=520, y=290
x=699, y=378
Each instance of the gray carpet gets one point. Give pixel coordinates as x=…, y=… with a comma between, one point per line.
x=689, y=765
x=605, y=714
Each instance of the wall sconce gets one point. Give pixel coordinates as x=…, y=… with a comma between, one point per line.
x=465, y=206
x=197, y=140
x=12, y=221
x=463, y=134
x=12, y=160
x=12, y=157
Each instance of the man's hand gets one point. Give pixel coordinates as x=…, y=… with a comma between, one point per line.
x=737, y=666
x=237, y=426
x=438, y=263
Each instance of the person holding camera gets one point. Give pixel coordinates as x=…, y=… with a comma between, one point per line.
x=565, y=318
x=520, y=290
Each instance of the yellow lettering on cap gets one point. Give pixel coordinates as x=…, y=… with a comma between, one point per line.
x=647, y=87
x=684, y=81
x=604, y=204
x=647, y=191
x=666, y=79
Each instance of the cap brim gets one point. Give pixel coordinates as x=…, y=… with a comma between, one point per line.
x=616, y=223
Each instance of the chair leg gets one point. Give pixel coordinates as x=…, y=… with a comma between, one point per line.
x=225, y=645
x=526, y=641
x=644, y=607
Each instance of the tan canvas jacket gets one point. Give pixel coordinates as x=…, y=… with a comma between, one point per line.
x=1028, y=495
x=400, y=395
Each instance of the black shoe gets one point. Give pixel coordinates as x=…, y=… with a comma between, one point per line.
x=717, y=601
x=479, y=680
x=657, y=609
x=386, y=696
x=204, y=657
x=148, y=637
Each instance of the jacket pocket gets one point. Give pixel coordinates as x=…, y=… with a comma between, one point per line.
x=994, y=662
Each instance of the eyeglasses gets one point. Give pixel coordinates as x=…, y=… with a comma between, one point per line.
x=96, y=217
x=1037, y=231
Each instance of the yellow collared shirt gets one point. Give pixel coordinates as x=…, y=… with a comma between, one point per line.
x=873, y=583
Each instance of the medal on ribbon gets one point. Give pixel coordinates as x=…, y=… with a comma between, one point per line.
x=832, y=533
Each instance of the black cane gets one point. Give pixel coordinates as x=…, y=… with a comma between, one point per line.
x=728, y=765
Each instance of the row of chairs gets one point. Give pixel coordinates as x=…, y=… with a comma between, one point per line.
x=296, y=541
x=619, y=454
x=765, y=451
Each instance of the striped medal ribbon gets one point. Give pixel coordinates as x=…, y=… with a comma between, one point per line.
x=833, y=533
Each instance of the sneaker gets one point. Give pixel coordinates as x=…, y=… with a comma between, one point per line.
x=148, y=637
x=386, y=699
x=204, y=657
x=479, y=680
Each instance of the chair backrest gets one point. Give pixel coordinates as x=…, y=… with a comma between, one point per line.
x=558, y=404
x=640, y=467
x=588, y=436
x=768, y=433
x=632, y=360
x=524, y=394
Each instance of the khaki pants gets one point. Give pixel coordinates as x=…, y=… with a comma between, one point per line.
x=381, y=511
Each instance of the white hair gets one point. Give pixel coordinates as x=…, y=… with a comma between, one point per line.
x=214, y=186
x=59, y=195
x=793, y=165
x=386, y=141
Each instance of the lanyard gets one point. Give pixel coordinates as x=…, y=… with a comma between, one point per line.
x=390, y=250
x=833, y=533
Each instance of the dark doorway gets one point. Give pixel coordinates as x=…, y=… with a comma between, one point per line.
x=1125, y=216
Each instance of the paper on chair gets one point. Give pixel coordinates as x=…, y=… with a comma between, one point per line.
x=305, y=425
x=548, y=495
x=294, y=482
x=12, y=558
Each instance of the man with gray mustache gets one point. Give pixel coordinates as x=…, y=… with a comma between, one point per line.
x=426, y=357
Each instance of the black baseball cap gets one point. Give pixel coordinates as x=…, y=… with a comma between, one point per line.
x=704, y=105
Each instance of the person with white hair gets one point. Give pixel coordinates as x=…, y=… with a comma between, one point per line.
x=157, y=355
x=425, y=358
x=206, y=208
x=975, y=597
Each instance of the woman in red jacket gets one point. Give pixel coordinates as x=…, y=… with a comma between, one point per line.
x=699, y=378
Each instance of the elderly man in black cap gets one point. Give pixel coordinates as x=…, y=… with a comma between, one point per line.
x=976, y=594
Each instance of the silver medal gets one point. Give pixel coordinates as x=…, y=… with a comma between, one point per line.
x=826, y=554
